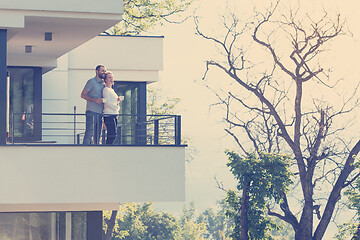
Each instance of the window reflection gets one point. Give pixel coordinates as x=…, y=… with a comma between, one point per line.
x=43, y=226
x=22, y=101
x=128, y=111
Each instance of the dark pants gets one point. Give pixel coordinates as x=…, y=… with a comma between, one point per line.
x=110, y=122
x=93, y=127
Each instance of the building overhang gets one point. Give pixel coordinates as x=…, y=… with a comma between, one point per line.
x=69, y=26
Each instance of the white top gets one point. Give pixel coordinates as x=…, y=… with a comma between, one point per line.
x=110, y=99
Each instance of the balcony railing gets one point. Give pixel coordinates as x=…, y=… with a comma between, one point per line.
x=64, y=128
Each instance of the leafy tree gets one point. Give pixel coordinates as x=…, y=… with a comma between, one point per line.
x=142, y=15
x=271, y=60
x=218, y=225
x=157, y=104
x=135, y=221
x=283, y=231
x=352, y=228
x=190, y=229
x=261, y=178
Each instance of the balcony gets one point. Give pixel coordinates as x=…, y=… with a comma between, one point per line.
x=69, y=129
x=58, y=173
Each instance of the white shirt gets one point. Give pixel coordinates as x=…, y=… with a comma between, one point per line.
x=110, y=99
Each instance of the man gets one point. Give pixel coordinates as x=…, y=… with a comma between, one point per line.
x=92, y=93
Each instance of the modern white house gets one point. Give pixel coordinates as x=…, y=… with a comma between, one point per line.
x=52, y=187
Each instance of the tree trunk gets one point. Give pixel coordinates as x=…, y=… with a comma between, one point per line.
x=110, y=225
x=306, y=224
x=244, y=229
x=307, y=217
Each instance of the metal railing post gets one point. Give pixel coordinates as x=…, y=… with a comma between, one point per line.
x=12, y=130
x=103, y=139
x=177, y=130
x=118, y=136
x=137, y=133
x=74, y=124
x=156, y=132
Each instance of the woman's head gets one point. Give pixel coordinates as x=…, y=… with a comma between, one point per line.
x=109, y=79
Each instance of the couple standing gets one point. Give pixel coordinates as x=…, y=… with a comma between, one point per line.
x=101, y=100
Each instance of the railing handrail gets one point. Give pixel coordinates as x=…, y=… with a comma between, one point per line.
x=143, y=127
x=83, y=114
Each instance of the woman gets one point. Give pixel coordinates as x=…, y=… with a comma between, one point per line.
x=111, y=108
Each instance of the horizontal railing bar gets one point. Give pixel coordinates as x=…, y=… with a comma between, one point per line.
x=63, y=129
x=63, y=122
x=83, y=114
x=153, y=130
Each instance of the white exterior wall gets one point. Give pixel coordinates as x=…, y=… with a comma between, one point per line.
x=120, y=53
x=64, y=178
x=103, y=6
x=129, y=58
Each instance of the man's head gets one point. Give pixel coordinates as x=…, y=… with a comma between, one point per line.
x=100, y=71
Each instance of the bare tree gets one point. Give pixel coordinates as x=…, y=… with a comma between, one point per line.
x=279, y=93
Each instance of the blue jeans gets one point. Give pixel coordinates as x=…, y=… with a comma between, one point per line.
x=93, y=127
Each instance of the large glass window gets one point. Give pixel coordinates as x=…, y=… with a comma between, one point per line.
x=130, y=109
x=25, y=103
x=130, y=92
x=43, y=226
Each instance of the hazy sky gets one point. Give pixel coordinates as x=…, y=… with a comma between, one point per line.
x=184, y=57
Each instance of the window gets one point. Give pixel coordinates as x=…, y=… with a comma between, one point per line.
x=43, y=226
x=132, y=111
x=25, y=103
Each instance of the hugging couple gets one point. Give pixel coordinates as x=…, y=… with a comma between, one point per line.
x=101, y=101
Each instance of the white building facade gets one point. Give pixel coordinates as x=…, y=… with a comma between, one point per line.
x=52, y=186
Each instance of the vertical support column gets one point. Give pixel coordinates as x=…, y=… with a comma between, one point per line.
x=3, y=86
x=53, y=226
x=68, y=226
x=142, y=127
x=37, y=103
x=94, y=223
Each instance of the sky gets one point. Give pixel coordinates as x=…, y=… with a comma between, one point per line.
x=184, y=65
x=184, y=57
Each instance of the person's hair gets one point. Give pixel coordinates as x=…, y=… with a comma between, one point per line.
x=98, y=67
x=107, y=73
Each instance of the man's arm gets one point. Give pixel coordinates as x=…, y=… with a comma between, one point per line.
x=84, y=95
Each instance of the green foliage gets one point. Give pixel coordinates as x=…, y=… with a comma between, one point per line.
x=268, y=176
x=190, y=229
x=218, y=225
x=142, y=15
x=135, y=221
x=350, y=228
x=141, y=222
x=353, y=196
x=160, y=105
x=283, y=231
x=346, y=231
